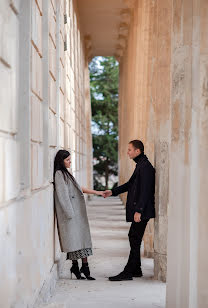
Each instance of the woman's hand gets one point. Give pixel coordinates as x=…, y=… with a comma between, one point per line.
x=107, y=193
x=100, y=193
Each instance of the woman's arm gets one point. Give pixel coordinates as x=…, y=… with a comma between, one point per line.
x=92, y=191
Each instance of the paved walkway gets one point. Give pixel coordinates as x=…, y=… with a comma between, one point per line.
x=110, y=240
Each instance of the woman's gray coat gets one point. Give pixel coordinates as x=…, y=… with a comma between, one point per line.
x=73, y=226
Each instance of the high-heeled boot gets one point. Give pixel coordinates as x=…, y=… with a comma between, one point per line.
x=75, y=270
x=86, y=271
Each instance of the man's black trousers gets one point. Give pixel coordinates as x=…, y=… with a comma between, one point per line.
x=136, y=233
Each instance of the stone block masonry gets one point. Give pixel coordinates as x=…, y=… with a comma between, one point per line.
x=43, y=108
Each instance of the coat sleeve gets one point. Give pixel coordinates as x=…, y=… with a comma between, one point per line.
x=120, y=189
x=147, y=182
x=63, y=195
x=123, y=188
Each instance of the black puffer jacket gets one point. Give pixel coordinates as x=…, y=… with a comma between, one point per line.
x=141, y=190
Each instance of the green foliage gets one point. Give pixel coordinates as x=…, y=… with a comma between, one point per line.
x=104, y=98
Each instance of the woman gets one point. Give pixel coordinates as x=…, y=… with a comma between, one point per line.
x=73, y=226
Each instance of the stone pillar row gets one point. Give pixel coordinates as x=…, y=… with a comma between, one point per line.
x=163, y=101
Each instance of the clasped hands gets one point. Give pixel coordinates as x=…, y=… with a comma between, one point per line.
x=108, y=193
x=104, y=194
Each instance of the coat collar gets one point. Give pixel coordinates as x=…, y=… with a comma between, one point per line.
x=140, y=158
x=73, y=180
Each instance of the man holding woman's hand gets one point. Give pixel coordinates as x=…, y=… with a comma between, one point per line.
x=140, y=206
x=72, y=220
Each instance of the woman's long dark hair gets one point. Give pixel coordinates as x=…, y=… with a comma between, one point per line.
x=59, y=164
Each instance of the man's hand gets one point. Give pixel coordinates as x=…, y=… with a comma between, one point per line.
x=137, y=217
x=107, y=193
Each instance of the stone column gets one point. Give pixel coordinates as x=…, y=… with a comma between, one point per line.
x=202, y=266
x=188, y=214
x=88, y=149
x=162, y=132
x=134, y=98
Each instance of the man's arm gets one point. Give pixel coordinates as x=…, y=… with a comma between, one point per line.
x=120, y=189
x=117, y=190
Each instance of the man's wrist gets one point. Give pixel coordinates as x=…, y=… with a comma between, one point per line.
x=112, y=192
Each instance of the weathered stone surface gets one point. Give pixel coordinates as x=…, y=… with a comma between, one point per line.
x=29, y=67
x=52, y=94
x=61, y=132
x=36, y=165
x=54, y=305
x=160, y=268
x=8, y=97
x=48, y=290
x=62, y=104
x=52, y=22
x=36, y=73
x=52, y=129
x=36, y=35
x=162, y=177
x=9, y=34
x=160, y=234
x=36, y=119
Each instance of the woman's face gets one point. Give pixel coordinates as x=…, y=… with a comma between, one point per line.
x=67, y=162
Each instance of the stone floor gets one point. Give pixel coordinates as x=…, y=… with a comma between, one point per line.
x=110, y=240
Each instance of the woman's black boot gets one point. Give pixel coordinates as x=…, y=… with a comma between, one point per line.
x=86, y=271
x=75, y=270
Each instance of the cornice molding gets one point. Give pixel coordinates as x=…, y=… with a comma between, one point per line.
x=88, y=47
x=123, y=30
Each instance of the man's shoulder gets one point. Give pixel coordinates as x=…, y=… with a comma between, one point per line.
x=147, y=165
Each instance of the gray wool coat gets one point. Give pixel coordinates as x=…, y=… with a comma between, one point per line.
x=73, y=225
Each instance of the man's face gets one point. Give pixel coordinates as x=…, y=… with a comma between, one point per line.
x=132, y=152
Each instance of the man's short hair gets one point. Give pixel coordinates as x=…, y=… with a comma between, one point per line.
x=137, y=144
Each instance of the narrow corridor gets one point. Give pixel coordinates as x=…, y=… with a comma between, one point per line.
x=45, y=105
x=110, y=240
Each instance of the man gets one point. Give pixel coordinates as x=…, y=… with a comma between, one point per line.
x=140, y=206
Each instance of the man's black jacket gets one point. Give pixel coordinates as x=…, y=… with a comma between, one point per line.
x=141, y=190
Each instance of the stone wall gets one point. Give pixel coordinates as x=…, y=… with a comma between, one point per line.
x=44, y=107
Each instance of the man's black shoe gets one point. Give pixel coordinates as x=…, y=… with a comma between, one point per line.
x=137, y=272
x=121, y=277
